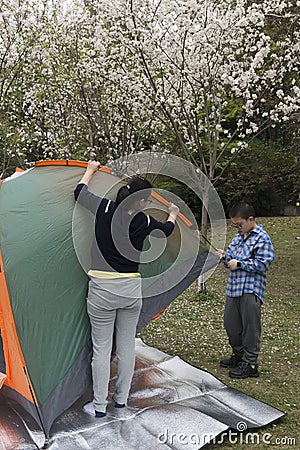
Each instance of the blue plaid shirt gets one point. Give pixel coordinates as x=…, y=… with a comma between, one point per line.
x=255, y=253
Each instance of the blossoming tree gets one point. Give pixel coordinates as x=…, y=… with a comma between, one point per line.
x=215, y=75
x=205, y=63
x=110, y=77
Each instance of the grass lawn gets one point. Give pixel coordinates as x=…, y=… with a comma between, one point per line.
x=192, y=328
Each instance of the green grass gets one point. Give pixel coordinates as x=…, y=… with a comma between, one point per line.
x=192, y=328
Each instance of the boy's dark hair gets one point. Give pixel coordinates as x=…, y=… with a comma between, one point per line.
x=135, y=185
x=243, y=210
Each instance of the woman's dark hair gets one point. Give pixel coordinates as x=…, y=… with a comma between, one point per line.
x=133, y=186
x=243, y=210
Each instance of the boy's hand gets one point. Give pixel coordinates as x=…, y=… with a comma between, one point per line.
x=232, y=264
x=220, y=253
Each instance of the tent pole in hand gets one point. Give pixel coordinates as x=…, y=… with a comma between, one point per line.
x=205, y=238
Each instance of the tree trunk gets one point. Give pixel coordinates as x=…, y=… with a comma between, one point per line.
x=204, y=218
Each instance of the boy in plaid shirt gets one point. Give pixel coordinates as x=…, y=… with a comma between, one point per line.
x=248, y=257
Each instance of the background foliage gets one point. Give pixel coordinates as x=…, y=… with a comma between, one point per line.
x=216, y=83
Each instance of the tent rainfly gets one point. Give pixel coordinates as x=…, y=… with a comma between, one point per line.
x=45, y=346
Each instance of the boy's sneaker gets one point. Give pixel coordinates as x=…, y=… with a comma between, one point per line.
x=244, y=370
x=231, y=362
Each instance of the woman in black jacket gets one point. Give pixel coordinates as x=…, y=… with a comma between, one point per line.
x=114, y=299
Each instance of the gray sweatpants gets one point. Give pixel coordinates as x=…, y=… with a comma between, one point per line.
x=242, y=321
x=113, y=305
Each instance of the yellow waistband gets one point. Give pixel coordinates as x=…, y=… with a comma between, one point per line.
x=111, y=275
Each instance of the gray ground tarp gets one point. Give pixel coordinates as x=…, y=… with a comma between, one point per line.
x=172, y=405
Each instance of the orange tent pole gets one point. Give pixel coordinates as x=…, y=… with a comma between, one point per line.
x=67, y=162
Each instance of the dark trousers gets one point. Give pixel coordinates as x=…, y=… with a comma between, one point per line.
x=242, y=321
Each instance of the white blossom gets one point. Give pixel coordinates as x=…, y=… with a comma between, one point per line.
x=101, y=77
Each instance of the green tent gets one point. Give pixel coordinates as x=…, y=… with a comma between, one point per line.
x=45, y=333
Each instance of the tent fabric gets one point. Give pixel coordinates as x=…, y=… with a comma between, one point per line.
x=43, y=283
x=169, y=398
x=13, y=359
x=152, y=304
